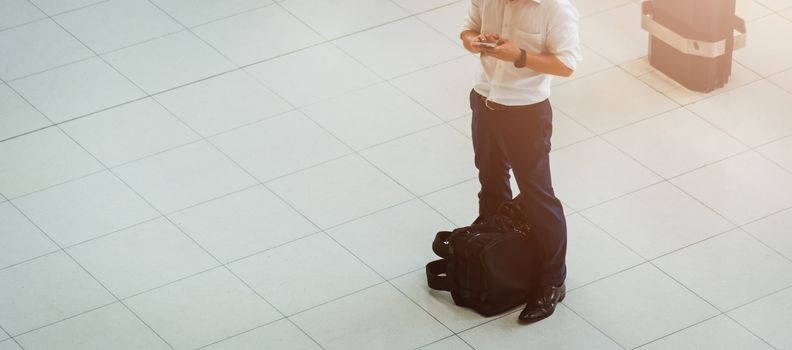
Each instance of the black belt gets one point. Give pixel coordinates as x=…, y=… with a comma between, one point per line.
x=494, y=106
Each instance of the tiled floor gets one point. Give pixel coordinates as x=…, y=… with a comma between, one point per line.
x=250, y=174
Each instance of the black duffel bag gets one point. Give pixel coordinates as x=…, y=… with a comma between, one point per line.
x=491, y=267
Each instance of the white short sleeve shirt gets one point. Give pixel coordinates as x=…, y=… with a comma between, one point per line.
x=537, y=26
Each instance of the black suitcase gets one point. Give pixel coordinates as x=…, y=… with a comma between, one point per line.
x=692, y=41
x=489, y=268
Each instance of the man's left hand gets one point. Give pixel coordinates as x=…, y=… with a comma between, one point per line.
x=505, y=51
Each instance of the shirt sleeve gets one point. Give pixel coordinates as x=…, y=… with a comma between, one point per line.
x=473, y=19
x=563, y=39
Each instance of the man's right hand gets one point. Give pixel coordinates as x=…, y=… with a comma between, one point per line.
x=469, y=36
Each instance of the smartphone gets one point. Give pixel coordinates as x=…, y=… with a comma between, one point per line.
x=481, y=43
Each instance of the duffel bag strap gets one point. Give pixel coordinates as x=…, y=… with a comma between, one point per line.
x=434, y=270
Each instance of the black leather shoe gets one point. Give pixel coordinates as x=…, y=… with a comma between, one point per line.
x=544, y=304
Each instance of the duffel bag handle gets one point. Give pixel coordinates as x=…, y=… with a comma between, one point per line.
x=439, y=245
x=686, y=45
x=434, y=272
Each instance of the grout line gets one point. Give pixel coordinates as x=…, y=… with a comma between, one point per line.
x=678, y=331
x=189, y=29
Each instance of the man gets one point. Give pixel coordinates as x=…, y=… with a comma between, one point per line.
x=512, y=119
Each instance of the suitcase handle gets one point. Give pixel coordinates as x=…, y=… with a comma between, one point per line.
x=434, y=270
x=690, y=46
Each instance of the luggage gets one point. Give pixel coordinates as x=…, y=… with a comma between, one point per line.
x=490, y=268
x=692, y=41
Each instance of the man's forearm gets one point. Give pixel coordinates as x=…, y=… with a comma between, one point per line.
x=548, y=64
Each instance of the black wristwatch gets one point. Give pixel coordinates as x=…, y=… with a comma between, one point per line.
x=520, y=62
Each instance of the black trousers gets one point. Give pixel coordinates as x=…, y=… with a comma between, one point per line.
x=520, y=140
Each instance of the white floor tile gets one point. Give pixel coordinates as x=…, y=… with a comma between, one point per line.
x=254, y=36
x=242, y=223
x=409, y=161
x=108, y=327
x=779, y=152
x=740, y=76
x=168, y=62
x=567, y=131
x=638, y=306
x=19, y=238
x=412, y=224
x=35, y=47
x=729, y=270
x=9, y=345
x=114, y=24
x=463, y=124
x=769, y=318
x=379, y=113
x=279, y=146
x=376, y=318
x=767, y=104
x=592, y=254
x=305, y=273
x=657, y=220
x=195, y=12
x=142, y=257
x=638, y=67
x=719, y=333
x=675, y=142
x=615, y=33
x=400, y=47
x=56, y=94
x=17, y=116
x=659, y=81
x=447, y=19
x=339, y=191
x=604, y=108
x=17, y=12
x=728, y=185
x=563, y=331
x=279, y=335
x=786, y=13
x=590, y=7
x=46, y=290
x=222, y=103
x=443, y=89
x=184, y=176
x=458, y=203
x=416, y=6
x=53, y=7
x=766, y=52
x=129, y=132
x=313, y=74
x=450, y=343
x=41, y=159
x=342, y=17
x=774, y=231
x=750, y=10
x=592, y=172
x=438, y=303
x=202, y=309
x=85, y=208
x=783, y=79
